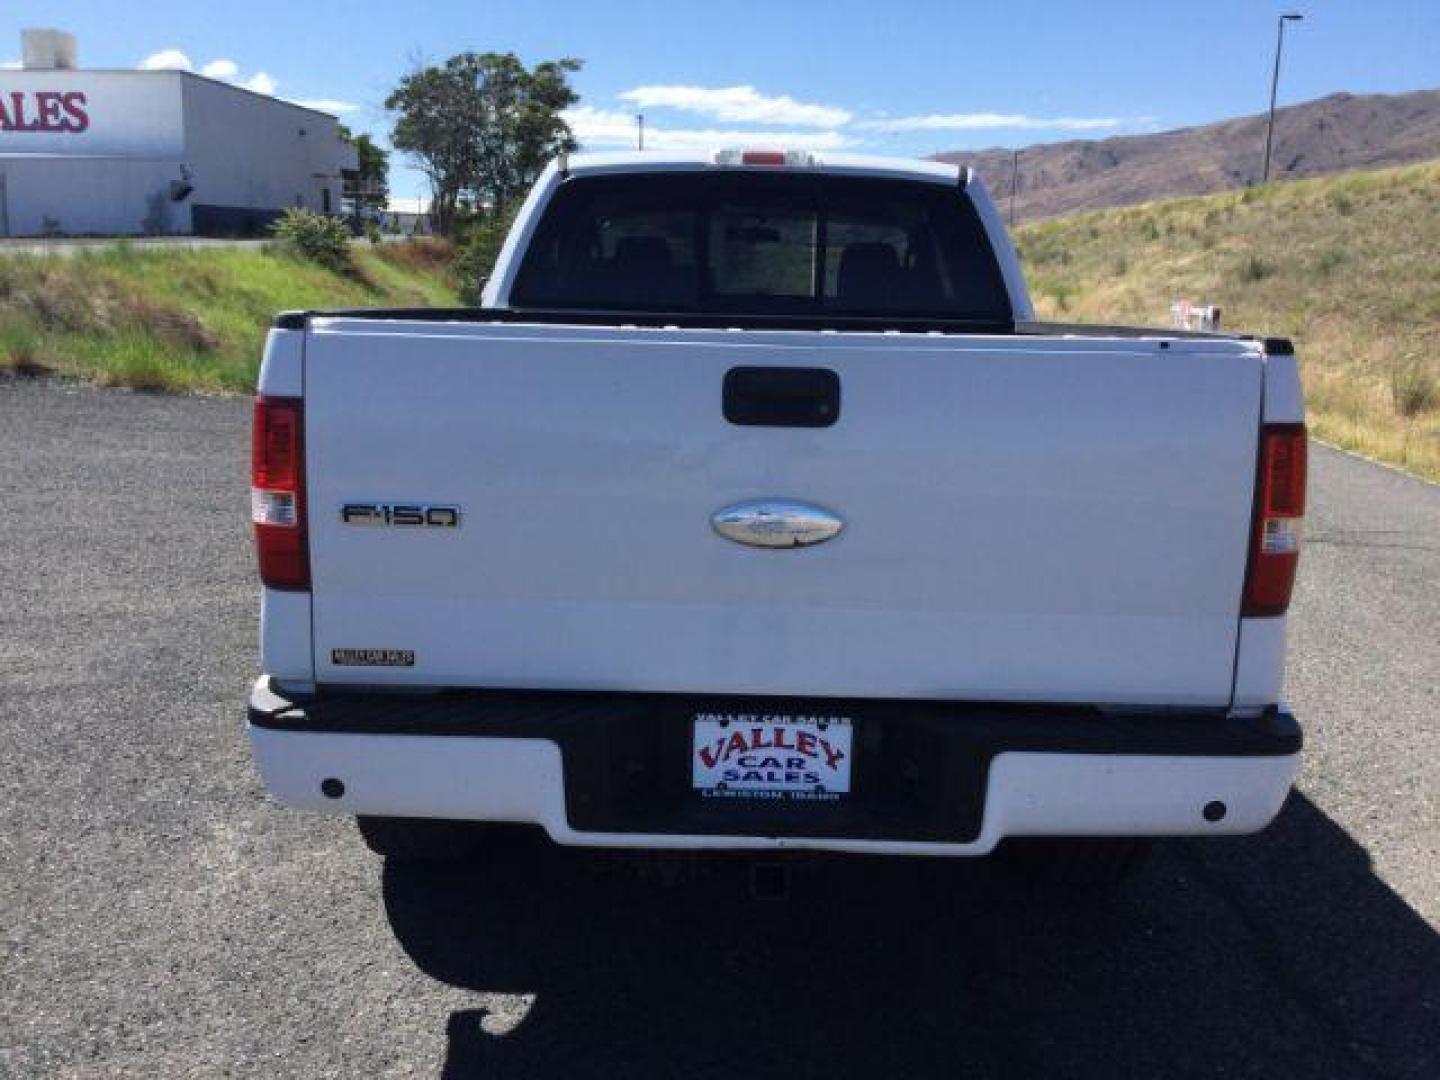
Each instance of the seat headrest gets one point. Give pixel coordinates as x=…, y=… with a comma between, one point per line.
x=642, y=253
x=868, y=272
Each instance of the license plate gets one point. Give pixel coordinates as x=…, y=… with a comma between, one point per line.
x=800, y=758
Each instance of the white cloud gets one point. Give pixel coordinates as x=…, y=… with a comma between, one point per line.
x=737, y=105
x=329, y=105
x=987, y=121
x=600, y=127
x=596, y=128
x=261, y=83
x=226, y=70
x=834, y=126
x=11, y=65
x=166, y=60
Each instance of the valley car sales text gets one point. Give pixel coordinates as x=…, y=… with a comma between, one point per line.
x=765, y=755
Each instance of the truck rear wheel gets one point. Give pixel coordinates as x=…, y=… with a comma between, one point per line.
x=421, y=839
x=1086, y=863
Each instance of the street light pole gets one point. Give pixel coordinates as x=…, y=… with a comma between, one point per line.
x=1274, y=86
x=639, y=131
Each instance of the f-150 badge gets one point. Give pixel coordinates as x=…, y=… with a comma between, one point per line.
x=401, y=515
x=776, y=523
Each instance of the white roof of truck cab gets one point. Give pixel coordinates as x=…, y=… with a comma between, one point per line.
x=847, y=164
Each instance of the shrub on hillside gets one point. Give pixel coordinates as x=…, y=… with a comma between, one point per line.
x=1414, y=389
x=316, y=237
x=1329, y=259
x=1254, y=268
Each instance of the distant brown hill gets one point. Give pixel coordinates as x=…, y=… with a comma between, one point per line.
x=1328, y=135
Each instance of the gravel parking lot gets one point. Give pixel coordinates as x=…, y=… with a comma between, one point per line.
x=161, y=918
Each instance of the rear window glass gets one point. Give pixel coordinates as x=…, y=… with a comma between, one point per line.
x=764, y=244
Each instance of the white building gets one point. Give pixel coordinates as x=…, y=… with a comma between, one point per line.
x=120, y=152
x=407, y=215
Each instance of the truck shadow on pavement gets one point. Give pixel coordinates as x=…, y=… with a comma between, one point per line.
x=1277, y=955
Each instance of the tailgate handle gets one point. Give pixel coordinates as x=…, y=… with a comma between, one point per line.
x=782, y=396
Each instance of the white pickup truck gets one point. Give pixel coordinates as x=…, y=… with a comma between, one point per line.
x=753, y=509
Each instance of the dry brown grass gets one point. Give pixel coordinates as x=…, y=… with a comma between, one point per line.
x=426, y=254
x=1347, y=266
x=70, y=297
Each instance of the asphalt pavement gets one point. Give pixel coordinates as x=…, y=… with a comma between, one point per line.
x=159, y=917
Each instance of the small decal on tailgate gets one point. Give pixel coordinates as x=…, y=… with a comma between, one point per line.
x=372, y=657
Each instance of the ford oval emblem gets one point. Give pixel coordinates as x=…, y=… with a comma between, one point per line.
x=776, y=523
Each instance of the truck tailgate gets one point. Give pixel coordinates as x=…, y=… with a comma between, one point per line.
x=1026, y=519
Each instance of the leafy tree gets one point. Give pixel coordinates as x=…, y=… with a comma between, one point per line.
x=437, y=117
x=521, y=128
x=481, y=126
x=368, y=185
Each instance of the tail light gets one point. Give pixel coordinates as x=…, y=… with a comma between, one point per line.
x=277, y=492
x=1279, y=508
x=763, y=157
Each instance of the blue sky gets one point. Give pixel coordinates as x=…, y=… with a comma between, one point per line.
x=907, y=78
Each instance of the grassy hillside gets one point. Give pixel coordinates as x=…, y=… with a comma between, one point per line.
x=1329, y=135
x=187, y=319
x=1347, y=266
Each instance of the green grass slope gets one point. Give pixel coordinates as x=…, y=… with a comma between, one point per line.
x=187, y=319
x=1347, y=266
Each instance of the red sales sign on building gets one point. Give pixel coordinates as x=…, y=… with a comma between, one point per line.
x=44, y=110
